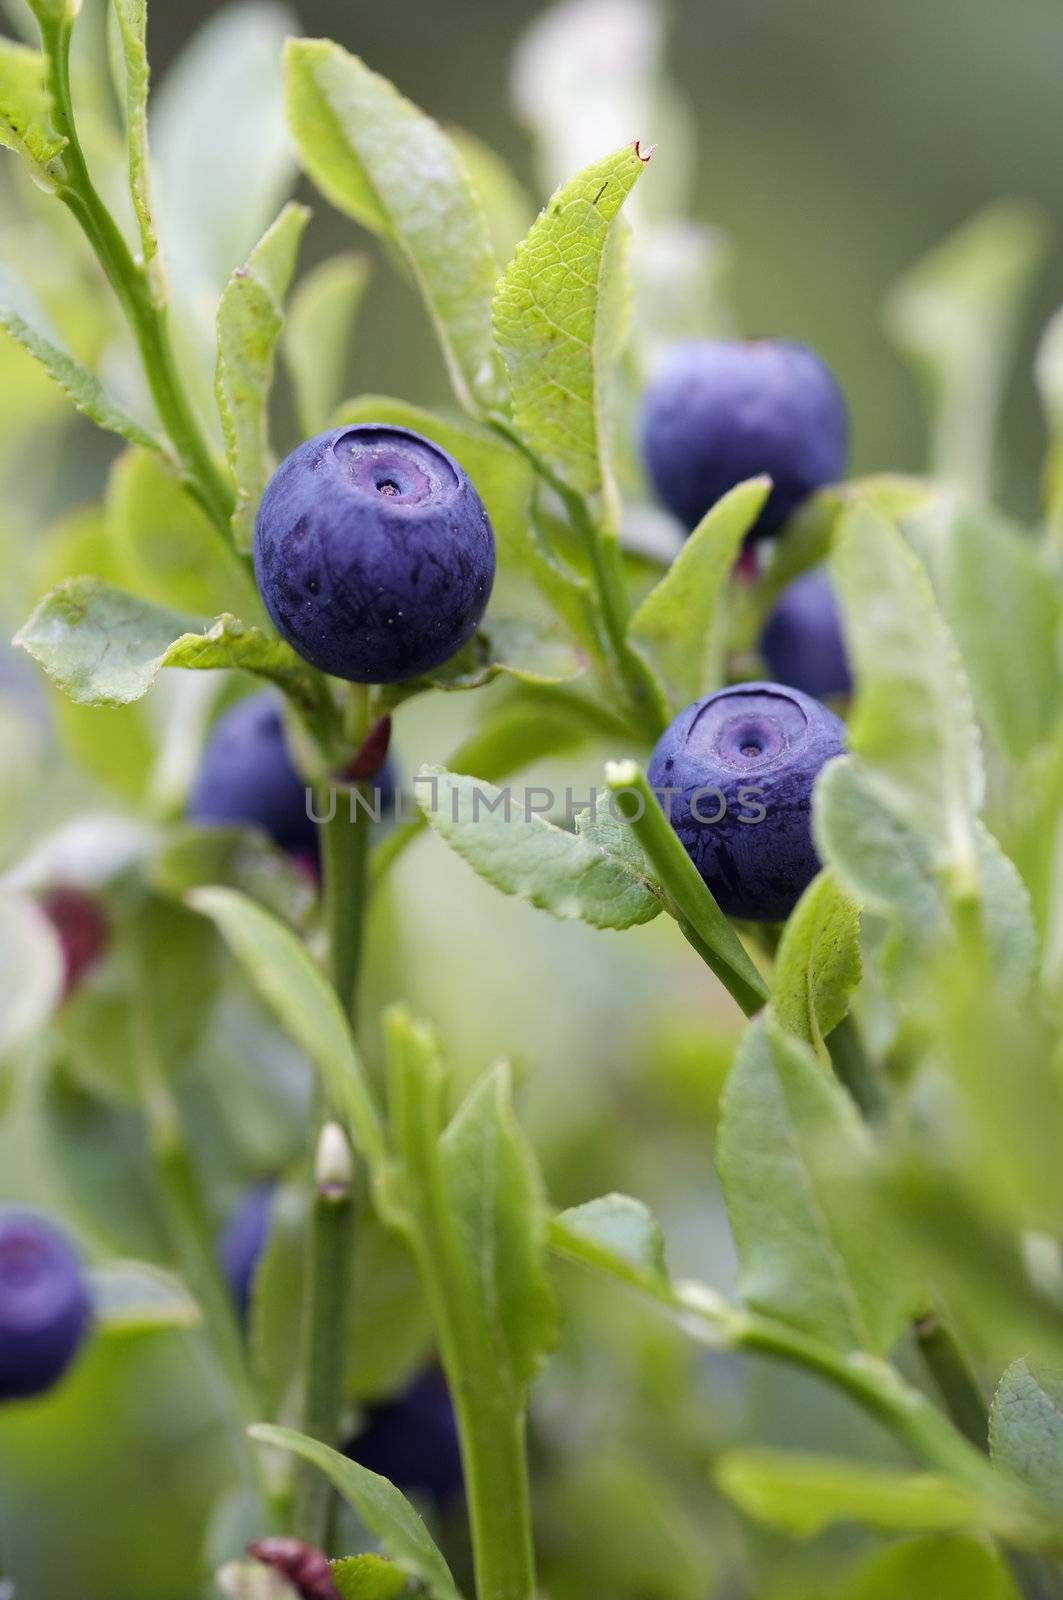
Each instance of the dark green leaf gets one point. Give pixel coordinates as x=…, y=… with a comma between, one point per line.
x=384, y=1510
x=1026, y=1428
x=796, y=1165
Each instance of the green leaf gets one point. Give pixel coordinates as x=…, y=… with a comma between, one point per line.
x=518, y=647
x=193, y=857
x=367, y=1578
x=997, y=590
x=1048, y=373
x=31, y=970
x=384, y=163
x=132, y=18
x=913, y=724
x=618, y=1228
x=887, y=866
x=166, y=547
x=497, y=1210
x=317, y=338
x=1026, y=1428
x=956, y=316
x=24, y=323
x=106, y=647
x=949, y=1567
x=803, y=1494
x=519, y=852
x=685, y=895
x=25, y=105
x=222, y=160
x=674, y=624
x=250, y=318
x=796, y=1165
x=506, y=205
x=557, y=322
x=130, y=1298
x=294, y=986
x=385, y=1511
x=818, y=963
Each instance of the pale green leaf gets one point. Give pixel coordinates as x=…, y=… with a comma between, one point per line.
x=132, y=26
x=514, y=848
x=497, y=1209
x=166, y=547
x=106, y=647
x=674, y=624
x=294, y=986
x=384, y=163
x=221, y=156
x=796, y=1166
x=803, y=1494
x=818, y=962
x=556, y=322
x=1048, y=372
x=517, y=647
x=31, y=970
x=1026, y=1428
x=80, y=385
x=946, y=1566
x=956, y=316
x=913, y=724
x=367, y=1577
x=385, y=1511
x=316, y=344
x=132, y=1297
x=250, y=318
x=1005, y=607
x=506, y=205
x=619, y=1228
x=25, y=105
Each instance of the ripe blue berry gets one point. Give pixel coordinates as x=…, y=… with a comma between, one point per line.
x=802, y=640
x=248, y=777
x=243, y=1241
x=373, y=553
x=413, y=1440
x=44, y=1305
x=722, y=410
x=740, y=766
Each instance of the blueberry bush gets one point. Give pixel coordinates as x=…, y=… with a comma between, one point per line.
x=294, y=1301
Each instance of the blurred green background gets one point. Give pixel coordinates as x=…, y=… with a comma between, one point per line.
x=837, y=141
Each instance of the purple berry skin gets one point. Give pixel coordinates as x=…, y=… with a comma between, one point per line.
x=724, y=410
x=243, y=1241
x=373, y=553
x=758, y=745
x=413, y=1440
x=45, y=1308
x=802, y=641
x=247, y=776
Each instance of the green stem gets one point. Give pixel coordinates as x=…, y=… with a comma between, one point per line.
x=700, y=919
x=854, y=1068
x=345, y=868
x=490, y=1415
x=956, y=1383
x=131, y=284
x=326, y=1310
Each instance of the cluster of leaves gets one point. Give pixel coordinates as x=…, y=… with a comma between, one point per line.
x=888, y=1133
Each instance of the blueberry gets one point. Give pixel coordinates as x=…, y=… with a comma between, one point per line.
x=413, y=1440
x=243, y=1241
x=802, y=640
x=373, y=553
x=722, y=410
x=44, y=1305
x=82, y=927
x=741, y=764
x=247, y=776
